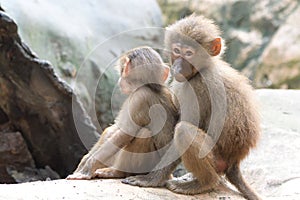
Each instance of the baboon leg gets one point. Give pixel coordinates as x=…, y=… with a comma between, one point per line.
x=234, y=175
x=157, y=176
x=192, y=141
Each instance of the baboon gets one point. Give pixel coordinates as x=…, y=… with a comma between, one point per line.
x=195, y=54
x=143, y=129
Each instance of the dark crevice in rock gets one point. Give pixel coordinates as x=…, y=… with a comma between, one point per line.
x=3, y=117
x=40, y=106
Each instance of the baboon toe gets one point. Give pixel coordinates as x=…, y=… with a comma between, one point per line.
x=142, y=181
x=103, y=173
x=174, y=187
x=78, y=176
x=186, y=187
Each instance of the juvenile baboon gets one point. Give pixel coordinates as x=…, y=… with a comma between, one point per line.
x=195, y=45
x=143, y=128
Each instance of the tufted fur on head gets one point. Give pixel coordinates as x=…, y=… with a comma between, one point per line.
x=146, y=64
x=193, y=29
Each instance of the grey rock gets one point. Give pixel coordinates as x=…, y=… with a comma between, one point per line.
x=29, y=174
x=40, y=105
x=273, y=167
x=13, y=153
x=79, y=36
x=101, y=189
x=280, y=61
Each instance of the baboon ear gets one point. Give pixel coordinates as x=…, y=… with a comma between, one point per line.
x=215, y=47
x=126, y=67
x=166, y=73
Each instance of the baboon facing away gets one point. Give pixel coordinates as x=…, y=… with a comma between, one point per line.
x=143, y=129
x=195, y=48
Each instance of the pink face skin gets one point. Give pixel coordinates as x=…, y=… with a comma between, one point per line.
x=181, y=56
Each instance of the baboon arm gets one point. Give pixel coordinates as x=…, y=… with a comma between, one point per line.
x=112, y=145
x=86, y=160
x=107, y=146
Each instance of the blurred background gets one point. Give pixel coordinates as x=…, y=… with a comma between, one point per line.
x=262, y=38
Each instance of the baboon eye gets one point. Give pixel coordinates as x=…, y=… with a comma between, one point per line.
x=176, y=50
x=189, y=53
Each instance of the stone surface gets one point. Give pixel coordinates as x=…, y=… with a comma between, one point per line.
x=29, y=174
x=100, y=189
x=83, y=38
x=272, y=168
x=13, y=153
x=280, y=65
x=3, y=117
x=40, y=105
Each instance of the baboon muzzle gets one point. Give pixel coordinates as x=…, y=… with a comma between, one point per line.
x=182, y=70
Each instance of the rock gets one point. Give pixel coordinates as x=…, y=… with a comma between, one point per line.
x=179, y=171
x=3, y=117
x=288, y=189
x=101, y=189
x=280, y=65
x=84, y=36
x=41, y=106
x=13, y=152
x=275, y=162
x=29, y=174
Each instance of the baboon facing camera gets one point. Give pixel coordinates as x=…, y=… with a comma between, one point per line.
x=195, y=47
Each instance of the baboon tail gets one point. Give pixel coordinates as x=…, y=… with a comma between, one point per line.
x=235, y=177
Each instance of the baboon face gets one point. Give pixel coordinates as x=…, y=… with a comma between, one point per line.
x=181, y=58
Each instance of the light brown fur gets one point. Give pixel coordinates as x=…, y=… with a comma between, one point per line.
x=119, y=151
x=241, y=127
